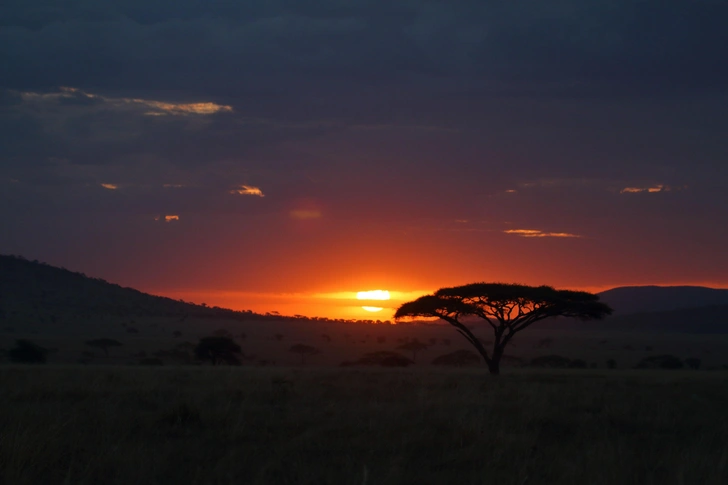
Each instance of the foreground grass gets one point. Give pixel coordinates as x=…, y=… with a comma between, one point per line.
x=85, y=425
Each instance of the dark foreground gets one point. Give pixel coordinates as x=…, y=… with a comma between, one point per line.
x=81, y=425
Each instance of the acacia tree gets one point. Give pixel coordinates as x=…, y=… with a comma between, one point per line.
x=413, y=346
x=218, y=350
x=506, y=308
x=304, y=351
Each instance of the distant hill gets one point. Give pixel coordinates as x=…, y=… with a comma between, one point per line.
x=647, y=299
x=707, y=319
x=31, y=291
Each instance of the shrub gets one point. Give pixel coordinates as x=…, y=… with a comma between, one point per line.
x=660, y=362
x=151, y=361
x=385, y=358
x=26, y=352
x=459, y=358
x=611, y=364
x=693, y=363
x=554, y=361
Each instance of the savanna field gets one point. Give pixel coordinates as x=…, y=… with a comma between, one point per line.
x=82, y=425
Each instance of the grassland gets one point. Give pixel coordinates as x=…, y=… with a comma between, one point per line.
x=247, y=425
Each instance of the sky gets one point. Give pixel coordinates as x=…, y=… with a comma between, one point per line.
x=282, y=155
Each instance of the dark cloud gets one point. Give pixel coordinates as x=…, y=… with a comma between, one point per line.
x=603, y=47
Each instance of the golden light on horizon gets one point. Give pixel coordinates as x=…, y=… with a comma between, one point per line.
x=373, y=295
x=373, y=308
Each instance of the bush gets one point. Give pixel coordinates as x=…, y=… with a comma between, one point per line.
x=611, y=364
x=660, y=362
x=577, y=364
x=553, y=361
x=151, y=361
x=693, y=363
x=26, y=352
x=385, y=358
x=459, y=358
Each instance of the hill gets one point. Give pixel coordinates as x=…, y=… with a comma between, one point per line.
x=647, y=299
x=31, y=291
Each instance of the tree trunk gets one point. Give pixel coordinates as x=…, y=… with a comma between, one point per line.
x=494, y=364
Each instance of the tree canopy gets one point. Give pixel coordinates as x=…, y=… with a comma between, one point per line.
x=506, y=308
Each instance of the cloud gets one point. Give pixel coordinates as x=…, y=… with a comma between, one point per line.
x=650, y=190
x=75, y=96
x=248, y=190
x=522, y=46
x=167, y=218
x=538, y=233
x=110, y=186
x=305, y=214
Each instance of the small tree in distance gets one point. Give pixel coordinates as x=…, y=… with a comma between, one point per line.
x=413, y=346
x=304, y=351
x=218, y=350
x=104, y=344
x=506, y=308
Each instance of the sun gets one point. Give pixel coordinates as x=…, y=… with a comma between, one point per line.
x=373, y=295
x=379, y=295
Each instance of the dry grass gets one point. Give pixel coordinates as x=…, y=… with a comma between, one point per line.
x=123, y=425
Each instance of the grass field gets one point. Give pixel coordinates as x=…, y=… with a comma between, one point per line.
x=245, y=425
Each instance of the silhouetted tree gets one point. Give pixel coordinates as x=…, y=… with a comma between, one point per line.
x=26, y=352
x=218, y=350
x=611, y=364
x=693, y=363
x=413, y=346
x=104, y=344
x=459, y=358
x=506, y=308
x=304, y=351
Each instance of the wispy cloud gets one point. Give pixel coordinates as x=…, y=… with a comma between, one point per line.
x=110, y=186
x=537, y=233
x=305, y=214
x=167, y=218
x=153, y=107
x=650, y=190
x=247, y=190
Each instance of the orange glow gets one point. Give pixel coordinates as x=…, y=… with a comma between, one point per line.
x=305, y=214
x=650, y=190
x=167, y=218
x=248, y=190
x=373, y=308
x=537, y=233
x=373, y=295
x=110, y=186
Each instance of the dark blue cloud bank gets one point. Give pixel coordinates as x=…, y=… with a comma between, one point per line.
x=550, y=116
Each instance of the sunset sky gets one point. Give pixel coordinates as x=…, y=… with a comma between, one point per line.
x=284, y=155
